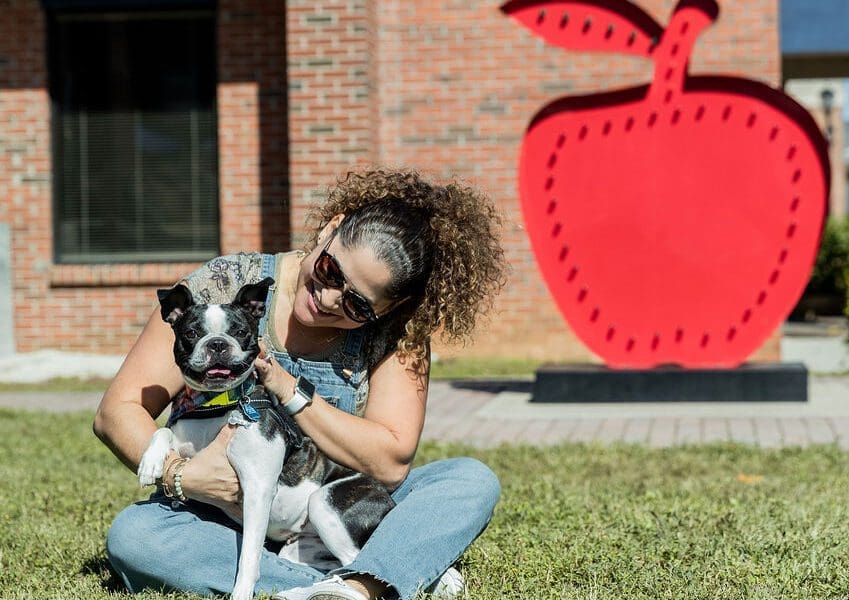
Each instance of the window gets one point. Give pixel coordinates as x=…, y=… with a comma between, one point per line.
x=134, y=125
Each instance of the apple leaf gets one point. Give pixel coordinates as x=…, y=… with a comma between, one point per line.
x=606, y=25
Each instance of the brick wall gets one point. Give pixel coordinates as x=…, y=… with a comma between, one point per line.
x=331, y=64
x=24, y=164
x=309, y=89
x=252, y=127
x=102, y=308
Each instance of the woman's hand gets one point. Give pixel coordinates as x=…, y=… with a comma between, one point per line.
x=275, y=378
x=210, y=478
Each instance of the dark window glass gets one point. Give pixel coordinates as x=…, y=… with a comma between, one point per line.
x=135, y=149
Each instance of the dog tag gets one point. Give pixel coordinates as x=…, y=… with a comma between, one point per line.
x=250, y=412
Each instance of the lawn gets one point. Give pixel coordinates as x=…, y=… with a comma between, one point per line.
x=574, y=521
x=441, y=369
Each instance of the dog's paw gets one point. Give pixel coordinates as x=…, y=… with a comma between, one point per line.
x=242, y=591
x=150, y=469
x=153, y=459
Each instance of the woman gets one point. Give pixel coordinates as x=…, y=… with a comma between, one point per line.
x=393, y=259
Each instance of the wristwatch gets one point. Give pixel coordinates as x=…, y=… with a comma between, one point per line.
x=304, y=390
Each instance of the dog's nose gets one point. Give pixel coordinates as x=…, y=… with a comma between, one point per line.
x=218, y=346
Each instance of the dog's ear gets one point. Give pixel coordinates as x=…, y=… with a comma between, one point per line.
x=174, y=302
x=252, y=297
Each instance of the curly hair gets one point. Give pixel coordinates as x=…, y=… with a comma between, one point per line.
x=441, y=244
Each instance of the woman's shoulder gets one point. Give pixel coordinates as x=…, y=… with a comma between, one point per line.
x=379, y=340
x=220, y=278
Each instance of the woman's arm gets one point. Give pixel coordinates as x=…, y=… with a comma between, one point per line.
x=383, y=443
x=141, y=390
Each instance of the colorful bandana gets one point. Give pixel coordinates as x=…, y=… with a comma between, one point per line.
x=192, y=403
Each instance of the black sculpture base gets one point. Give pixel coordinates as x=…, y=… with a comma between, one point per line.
x=751, y=382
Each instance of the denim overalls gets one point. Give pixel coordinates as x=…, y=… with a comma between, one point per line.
x=344, y=383
x=441, y=507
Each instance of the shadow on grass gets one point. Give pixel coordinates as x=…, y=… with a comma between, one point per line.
x=494, y=386
x=99, y=567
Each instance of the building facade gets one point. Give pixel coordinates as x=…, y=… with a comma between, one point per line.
x=297, y=94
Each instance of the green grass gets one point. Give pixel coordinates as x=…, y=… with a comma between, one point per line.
x=449, y=368
x=477, y=368
x=574, y=521
x=60, y=384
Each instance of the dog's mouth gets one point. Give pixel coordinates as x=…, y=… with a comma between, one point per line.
x=218, y=374
x=217, y=377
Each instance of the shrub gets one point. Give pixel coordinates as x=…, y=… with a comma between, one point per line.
x=831, y=270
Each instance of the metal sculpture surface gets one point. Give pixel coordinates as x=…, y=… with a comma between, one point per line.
x=675, y=222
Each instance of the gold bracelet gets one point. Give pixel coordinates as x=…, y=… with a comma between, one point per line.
x=164, y=479
x=166, y=490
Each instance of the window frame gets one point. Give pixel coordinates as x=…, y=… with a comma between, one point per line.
x=126, y=255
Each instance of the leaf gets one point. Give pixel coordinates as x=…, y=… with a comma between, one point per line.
x=749, y=479
x=605, y=25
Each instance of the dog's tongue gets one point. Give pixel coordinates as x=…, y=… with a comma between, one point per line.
x=218, y=373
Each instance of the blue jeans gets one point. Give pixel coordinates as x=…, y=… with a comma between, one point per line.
x=441, y=508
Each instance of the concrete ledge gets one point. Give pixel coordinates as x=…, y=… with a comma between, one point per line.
x=751, y=382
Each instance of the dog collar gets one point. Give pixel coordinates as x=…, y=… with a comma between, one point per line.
x=195, y=404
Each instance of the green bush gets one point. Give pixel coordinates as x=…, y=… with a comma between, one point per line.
x=831, y=270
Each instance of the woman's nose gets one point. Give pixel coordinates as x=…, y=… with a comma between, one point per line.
x=330, y=297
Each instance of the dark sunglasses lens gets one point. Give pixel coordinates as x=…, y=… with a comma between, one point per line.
x=357, y=308
x=327, y=271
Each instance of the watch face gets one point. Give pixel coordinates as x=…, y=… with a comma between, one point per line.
x=306, y=387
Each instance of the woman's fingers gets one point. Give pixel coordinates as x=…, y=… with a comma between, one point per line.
x=274, y=377
x=225, y=435
x=209, y=476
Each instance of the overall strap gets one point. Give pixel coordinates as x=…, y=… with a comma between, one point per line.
x=354, y=342
x=269, y=266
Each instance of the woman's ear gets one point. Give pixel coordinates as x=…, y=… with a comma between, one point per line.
x=330, y=227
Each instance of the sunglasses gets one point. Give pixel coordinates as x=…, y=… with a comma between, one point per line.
x=328, y=273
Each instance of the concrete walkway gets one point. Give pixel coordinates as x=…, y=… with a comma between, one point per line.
x=490, y=414
x=486, y=414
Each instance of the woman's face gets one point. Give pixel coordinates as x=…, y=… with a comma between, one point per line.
x=318, y=305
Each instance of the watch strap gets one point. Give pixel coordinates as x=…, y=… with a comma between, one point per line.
x=302, y=396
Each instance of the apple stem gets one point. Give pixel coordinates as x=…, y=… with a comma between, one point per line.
x=671, y=55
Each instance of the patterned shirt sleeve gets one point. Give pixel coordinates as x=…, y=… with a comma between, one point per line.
x=218, y=281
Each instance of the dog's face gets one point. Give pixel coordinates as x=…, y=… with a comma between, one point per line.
x=215, y=345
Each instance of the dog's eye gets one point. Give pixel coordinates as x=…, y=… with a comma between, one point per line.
x=191, y=334
x=243, y=332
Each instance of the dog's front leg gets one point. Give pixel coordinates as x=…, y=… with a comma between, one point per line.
x=258, y=462
x=153, y=459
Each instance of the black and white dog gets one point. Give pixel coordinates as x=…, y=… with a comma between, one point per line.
x=289, y=487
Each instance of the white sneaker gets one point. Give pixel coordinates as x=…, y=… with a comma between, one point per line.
x=450, y=585
x=334, y=588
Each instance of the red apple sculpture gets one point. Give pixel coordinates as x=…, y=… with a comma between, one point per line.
x=676, y=222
